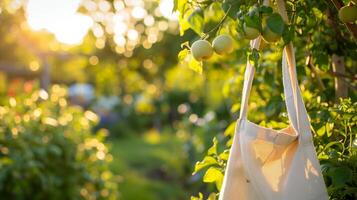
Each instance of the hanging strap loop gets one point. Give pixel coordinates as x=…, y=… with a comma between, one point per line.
x=248, y=82
x=296, y=109
x=293, y=99
x=288, y=55
x=295, y=106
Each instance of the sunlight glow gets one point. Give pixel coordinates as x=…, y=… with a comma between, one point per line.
x=60, y=18
x=138, y=12
x=166, y=7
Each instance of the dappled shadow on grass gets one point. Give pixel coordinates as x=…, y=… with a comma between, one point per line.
x=151, y=167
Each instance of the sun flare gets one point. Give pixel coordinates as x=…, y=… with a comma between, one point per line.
x=59, y=17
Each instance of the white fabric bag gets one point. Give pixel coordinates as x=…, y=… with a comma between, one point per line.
x=267, y=164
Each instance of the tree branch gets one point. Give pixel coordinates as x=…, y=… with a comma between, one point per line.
x=331, y=73
x=334, y=74
x=314, y=73
x=337, y=74
x=218, y=26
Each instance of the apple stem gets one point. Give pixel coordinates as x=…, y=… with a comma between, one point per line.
x=218, y=26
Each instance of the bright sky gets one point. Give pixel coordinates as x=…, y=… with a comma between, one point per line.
x=166, y=7
x=61, y=18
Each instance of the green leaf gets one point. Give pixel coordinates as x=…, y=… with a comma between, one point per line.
x=229, y=142
x=340, y=176
x=325, y=167
x=200, y=197
x=175, y=5
x=235, y=107
x=253, y=21
x=318, y=14
x=213, y=149
x=184, y=25
x=207, y=161
x=321, y=131
x=54, y=149
x=232, y=6
x=329, y=128
x=335, y=143
x=195, y=65
x=224, y=155
x=288, y=34
x=185, y=44
x=265, y=9
x=183, y=54
x=213, y=175
x=276, y=23
x=230, y=129
x=180, y=5
x=253, y=57
x=212, y=196
x=196, y=21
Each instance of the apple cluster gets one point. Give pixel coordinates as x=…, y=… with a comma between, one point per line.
x=203, y=50
x=268, y=35
x=253, y=23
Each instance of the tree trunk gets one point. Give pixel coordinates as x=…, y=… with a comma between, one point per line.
x=338, y=67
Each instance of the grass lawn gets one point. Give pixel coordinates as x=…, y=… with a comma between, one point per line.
x=151, y=166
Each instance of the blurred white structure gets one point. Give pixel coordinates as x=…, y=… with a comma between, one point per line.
x=81, y=94
x=105, y=104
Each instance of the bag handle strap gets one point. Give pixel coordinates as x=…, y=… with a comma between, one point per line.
x=288, y=61
x=293, y=99
x=248, y=82
x=249, y=76
x=295, y=106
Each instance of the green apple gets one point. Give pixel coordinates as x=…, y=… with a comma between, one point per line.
x=348, y=14
x=269, y=35
x=223, y=44
x=250, y=33
x=201, y=50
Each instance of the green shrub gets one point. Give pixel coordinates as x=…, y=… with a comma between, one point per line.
x=335, y=130
x=47, y=150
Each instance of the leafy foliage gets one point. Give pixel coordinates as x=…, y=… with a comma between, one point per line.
x=196, y=101
x=310, y=25
x=336, y=147
x=47, y=150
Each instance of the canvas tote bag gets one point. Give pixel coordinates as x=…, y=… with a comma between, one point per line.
x=267, y=164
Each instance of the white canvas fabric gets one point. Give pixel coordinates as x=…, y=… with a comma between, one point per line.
x=267, y=164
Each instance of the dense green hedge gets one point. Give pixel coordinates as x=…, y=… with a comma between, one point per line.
x=47, y=150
